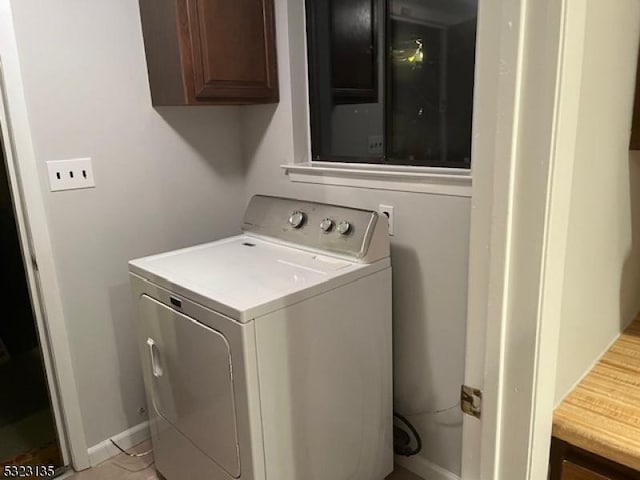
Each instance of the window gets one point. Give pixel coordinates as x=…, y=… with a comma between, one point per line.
x=391, y=81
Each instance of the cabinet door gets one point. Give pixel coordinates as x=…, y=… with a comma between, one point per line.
x=568, y=462
x=233, y=49
x=571, y=471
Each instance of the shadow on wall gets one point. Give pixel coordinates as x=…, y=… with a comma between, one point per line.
x=256, y=120
x=630, y=277
x=201, y=127
x=123, y=313
x=409, y=347
x=417, y=369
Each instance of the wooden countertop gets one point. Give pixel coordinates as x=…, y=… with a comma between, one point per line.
x=602, y=414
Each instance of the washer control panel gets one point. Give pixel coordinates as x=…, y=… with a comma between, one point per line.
x=334, y=228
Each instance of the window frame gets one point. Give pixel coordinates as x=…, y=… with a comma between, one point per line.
x=328, y=163
x=303, y=168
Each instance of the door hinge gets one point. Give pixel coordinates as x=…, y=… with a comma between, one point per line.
x=471, y=401
x=34, y=262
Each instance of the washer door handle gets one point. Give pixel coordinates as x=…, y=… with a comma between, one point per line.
x=153, y=354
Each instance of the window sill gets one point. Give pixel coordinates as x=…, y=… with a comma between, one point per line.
x=438, y=181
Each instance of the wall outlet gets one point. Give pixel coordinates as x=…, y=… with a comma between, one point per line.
x=387, y=211
x=70, y=174
x=376, y=145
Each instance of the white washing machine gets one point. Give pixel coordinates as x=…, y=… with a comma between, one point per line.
x=267, y=356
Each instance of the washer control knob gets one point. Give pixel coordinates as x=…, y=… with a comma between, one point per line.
x=296, y=220
x=326, y=225
x=344, y=228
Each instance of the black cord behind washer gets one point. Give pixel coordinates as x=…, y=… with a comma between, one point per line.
x=405, y=450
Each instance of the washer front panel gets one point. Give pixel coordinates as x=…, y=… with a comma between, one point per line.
x=191, y=383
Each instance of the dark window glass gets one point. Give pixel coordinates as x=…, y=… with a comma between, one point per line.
x=392, y=81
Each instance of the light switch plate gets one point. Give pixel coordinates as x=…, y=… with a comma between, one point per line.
x=70, y=174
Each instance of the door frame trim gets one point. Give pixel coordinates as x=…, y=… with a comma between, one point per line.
x=521, y=197
x=36, y=244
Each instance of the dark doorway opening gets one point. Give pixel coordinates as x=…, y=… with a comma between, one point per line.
x=27, y=428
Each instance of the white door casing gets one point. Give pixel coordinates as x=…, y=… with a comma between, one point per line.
x=494, y=122
x=524, y=134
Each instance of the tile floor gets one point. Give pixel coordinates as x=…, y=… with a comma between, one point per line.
x=122, y=467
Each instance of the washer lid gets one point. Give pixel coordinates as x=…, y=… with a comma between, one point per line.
x=245, y=277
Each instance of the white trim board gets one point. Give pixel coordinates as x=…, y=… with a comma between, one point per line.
x=424, y=468
x=127, y=439
x=437, y=181
x=516, y=235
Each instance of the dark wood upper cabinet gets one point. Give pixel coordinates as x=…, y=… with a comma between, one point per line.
x=210, y=52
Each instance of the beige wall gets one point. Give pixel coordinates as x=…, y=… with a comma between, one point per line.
x=602, y=268
x=429, y=251
x=165, y=178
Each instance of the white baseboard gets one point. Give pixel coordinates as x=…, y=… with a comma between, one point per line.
x=127, y=439
x=424, y=468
